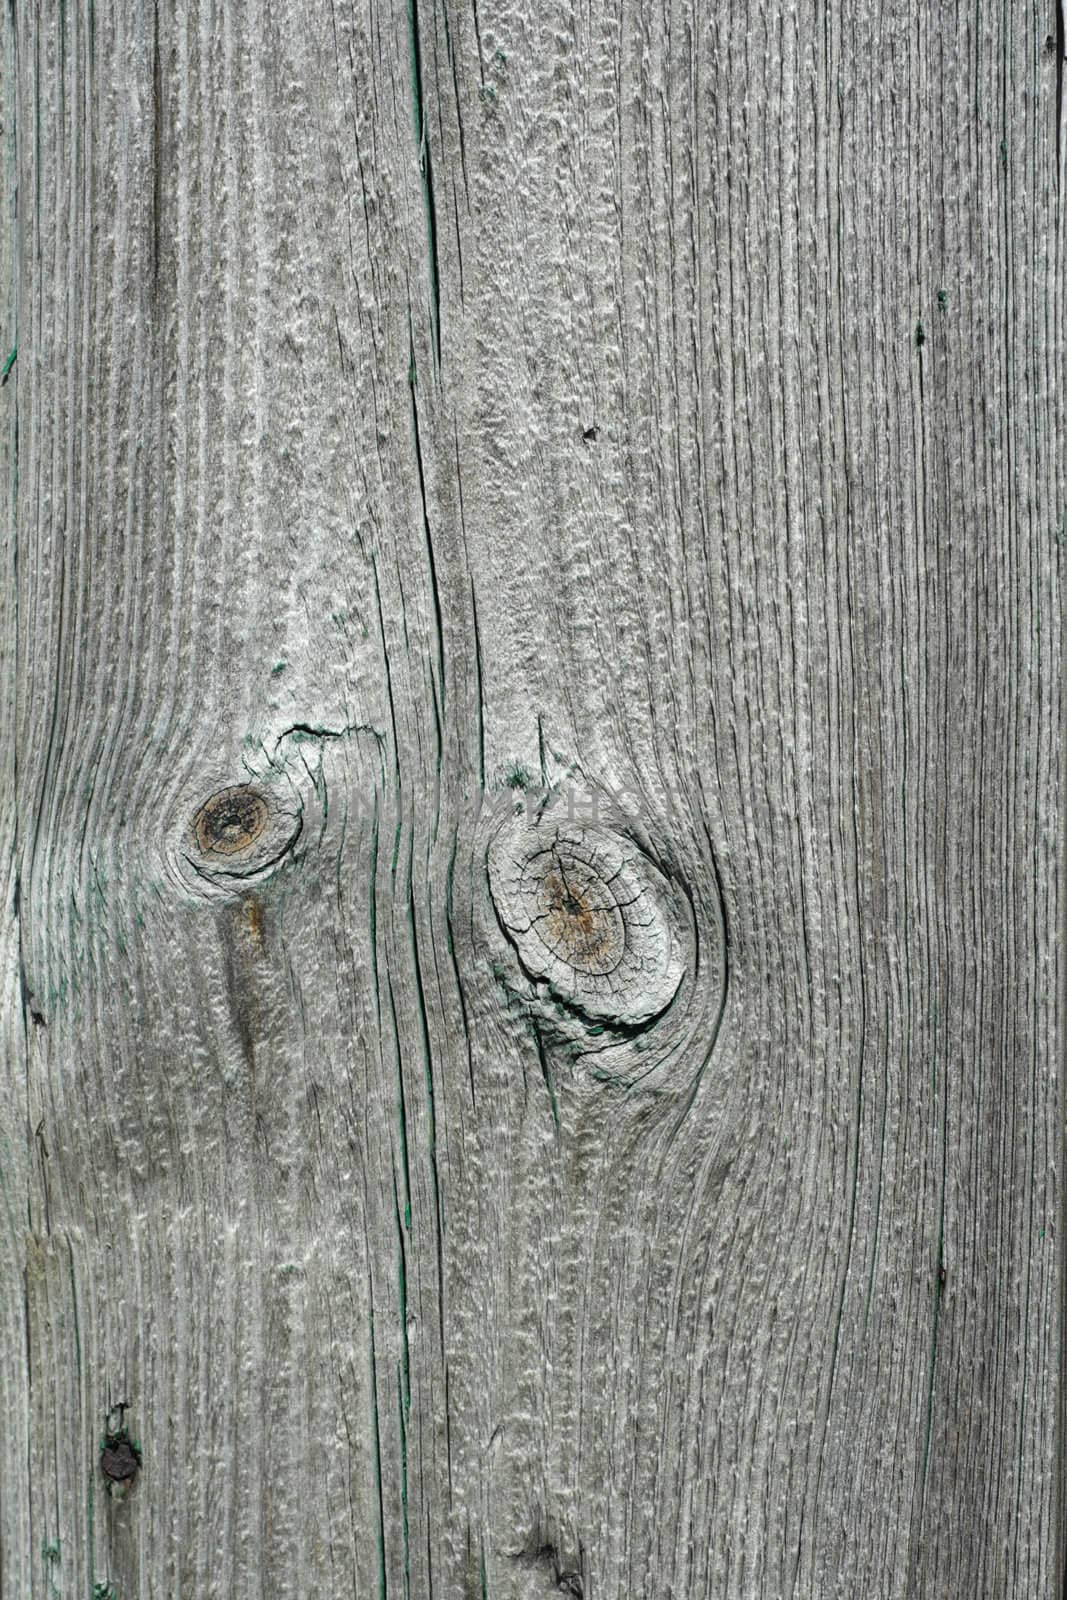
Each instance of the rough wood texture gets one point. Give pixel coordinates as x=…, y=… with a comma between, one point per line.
x=424, y=413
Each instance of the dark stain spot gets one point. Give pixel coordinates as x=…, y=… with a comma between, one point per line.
x=254, y=923
x=29, y=999
x=1050, y=44
x=119, y=1461
x=231, y=821
x=590, y=434
x=120, y=1456
x=240, y=926
x=547, y=1558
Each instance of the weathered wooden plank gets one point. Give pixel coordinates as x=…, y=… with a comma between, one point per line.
x=424, y=414
x=16, y=1147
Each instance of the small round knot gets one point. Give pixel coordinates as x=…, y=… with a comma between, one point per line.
x=242, y=830
x=231, y=820
x=590, y=915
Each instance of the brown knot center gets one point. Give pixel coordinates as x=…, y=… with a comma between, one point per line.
x=580, y=926
x=231, y=821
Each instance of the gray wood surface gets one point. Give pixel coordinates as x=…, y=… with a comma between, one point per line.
x=531, y=797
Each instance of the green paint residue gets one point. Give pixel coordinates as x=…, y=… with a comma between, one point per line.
x=50, y=1555
x=8, y=364
x=278, y=668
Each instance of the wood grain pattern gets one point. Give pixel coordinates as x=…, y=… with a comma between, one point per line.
x=423, y=413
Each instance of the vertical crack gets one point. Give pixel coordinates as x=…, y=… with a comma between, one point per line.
x=439, y=695
x=426, y=169
x=1061, y=51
